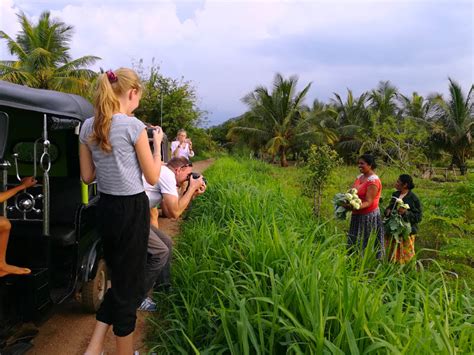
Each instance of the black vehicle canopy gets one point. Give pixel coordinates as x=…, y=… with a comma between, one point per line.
x=53, y=103
x=64, y=111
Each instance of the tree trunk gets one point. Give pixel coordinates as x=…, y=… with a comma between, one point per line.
x=460, y=162
x=272, y=160
x=283, y=161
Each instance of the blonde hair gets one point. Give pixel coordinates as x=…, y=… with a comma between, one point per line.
x=110, y=86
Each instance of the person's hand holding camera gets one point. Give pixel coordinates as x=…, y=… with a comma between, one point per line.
x=200, y=190
x=157, y=135
x=190, y=143
x=195, y=183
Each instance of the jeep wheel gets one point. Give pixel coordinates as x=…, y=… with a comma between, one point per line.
x=93, y=291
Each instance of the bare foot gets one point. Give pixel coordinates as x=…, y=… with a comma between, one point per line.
x=6, y=269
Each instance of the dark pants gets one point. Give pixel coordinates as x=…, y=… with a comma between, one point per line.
x=123, y=225
x=158, y=266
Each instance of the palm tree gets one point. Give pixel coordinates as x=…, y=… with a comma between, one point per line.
x=319, y=127
x=275, y=118
x=382, y=110
x=453, y=127
x=353, y=111
x=420, y=111
x=43, y=56
x=323, y=123
x=382, y=100
x=352, y=119
x=416, y=107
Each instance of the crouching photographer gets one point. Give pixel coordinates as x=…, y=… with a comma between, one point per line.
x=175, y=175
x=194, y=176
x=181, y=178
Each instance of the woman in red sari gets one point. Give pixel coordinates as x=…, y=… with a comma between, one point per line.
x=367, y=219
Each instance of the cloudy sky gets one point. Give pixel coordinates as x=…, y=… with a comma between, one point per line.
x=227, y=48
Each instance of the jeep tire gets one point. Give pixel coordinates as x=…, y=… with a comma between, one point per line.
x=93, y=291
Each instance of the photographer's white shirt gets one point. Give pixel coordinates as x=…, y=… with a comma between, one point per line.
x=166, y=185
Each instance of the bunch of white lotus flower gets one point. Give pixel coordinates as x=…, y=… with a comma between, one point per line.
x=353, y=199
x=400, y=204
x=342, y=199
x=395, y=225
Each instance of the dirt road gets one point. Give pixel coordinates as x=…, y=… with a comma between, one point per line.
x=68, y=331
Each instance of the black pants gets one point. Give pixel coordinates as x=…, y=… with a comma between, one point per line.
x=123, y=223
x=158, y=266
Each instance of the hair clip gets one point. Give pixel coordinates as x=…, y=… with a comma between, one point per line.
x=111, y=76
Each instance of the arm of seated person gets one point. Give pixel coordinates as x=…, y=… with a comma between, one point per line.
x=25, y=183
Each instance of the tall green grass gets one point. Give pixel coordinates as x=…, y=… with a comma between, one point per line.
x=255, y=273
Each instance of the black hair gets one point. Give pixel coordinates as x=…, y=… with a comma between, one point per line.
x=407, y=179
x=369, y=159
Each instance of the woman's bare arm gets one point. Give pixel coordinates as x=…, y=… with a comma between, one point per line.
x=370, y=196
x=86, y=163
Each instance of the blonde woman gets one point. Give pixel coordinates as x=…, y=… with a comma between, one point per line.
x=182, y=147
x=114, y=150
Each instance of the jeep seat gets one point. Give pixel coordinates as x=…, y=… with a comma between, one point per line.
x=65, y=198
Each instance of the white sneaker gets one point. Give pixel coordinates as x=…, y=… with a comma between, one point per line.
x=148, y=305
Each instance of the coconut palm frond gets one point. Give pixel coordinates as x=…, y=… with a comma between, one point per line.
x=44, y=61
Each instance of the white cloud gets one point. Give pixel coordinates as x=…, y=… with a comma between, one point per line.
x=229, y=47
x=8, y=24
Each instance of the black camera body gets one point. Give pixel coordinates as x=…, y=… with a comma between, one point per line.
x=149, y=132
x=196, y=176
x=164, y=142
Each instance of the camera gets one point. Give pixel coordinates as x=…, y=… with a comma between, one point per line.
x=164, y=142
x=196, y=176
x=149, y=132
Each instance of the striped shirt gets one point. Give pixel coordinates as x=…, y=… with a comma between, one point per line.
x=118, y=172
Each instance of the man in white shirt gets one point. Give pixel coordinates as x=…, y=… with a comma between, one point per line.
x=165, y=193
